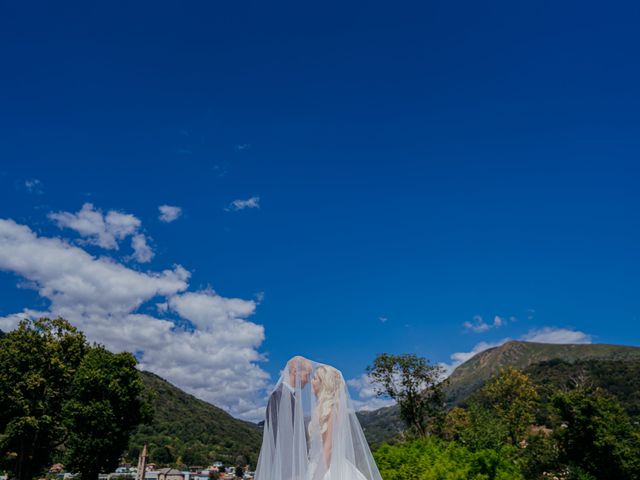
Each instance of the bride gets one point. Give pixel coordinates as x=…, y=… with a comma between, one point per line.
x=311, y=431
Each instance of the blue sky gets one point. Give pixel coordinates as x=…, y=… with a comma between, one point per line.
x=408, y=168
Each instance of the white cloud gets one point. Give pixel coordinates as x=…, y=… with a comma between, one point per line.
x=98, y=229
x=33, y=185
x=458, y=358
x=371, y=404
x=556, y=335
x=106, y=231
x=253, y=202
x=11, y=321
x=499, y=321
x=216, y=360
x=142, y=253
x=169, y=213
x=366, y=395
x=478, y=325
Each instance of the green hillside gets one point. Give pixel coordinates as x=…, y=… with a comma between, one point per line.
x=381, y=425
x=191, y=431
x=619, y=377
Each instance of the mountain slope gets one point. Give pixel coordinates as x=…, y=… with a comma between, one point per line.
x=191, y=431
x=478, y=369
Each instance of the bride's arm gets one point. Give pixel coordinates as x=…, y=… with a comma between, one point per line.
x=327, y=438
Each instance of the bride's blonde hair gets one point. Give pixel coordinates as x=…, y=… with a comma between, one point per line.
x=330, y=384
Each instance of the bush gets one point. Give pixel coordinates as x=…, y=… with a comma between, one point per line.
x=434, y=459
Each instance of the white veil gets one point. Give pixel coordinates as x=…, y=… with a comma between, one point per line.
x=311, y=431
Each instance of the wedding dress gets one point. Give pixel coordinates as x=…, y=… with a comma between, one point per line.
x=311, y=431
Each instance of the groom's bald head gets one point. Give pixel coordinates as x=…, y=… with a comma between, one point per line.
x=299, y=367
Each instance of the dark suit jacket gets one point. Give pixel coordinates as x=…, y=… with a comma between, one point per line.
x=273, y=406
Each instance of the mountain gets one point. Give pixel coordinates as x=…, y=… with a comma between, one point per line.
x=613, y=367
x=191, y=431
x=473, y=373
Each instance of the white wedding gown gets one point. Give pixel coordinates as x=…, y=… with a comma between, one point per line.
x=292, y=444
x=347, y=471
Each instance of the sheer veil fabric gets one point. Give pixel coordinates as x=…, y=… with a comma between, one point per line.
x=311, y=431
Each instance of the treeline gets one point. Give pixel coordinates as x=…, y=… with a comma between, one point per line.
x=63, y=399
x=513, y=428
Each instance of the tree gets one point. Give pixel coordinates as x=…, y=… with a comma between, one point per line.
x=105, y=407
x=514, y=398
x=596, y=435
x=485, y=429
x=457, y=422
x=162, y=454
x=38, y=361
x=417, y=387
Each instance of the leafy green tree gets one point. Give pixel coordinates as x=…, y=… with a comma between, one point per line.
x=457, y=421
x=104, y=408
x=596, y=436
x=485, y=430
x=38, y=361
x=514, y=398
x=417, y=387
x=541, y=455
x=194, y=455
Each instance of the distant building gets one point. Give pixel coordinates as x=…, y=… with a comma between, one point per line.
x=170, y=474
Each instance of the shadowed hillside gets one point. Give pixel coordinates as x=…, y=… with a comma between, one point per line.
x=192, y=430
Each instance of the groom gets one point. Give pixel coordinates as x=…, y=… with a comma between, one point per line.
x=299, y=367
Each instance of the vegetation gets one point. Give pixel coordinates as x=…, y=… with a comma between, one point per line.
x=596, y=435
x=588, y=436
x=614, y=368
x=620, y=378
x=415, y=385
x=434, y=459
x=63, y=398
